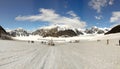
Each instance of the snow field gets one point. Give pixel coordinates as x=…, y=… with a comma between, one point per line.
x=82, y=55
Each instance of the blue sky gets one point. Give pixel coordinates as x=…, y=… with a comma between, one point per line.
x=31, y=14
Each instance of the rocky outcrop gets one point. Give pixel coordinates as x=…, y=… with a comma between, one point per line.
x=66, y=33
x=45, y=32
x=19, y=32
x=115, y=29
x=54, y=32
x=96, y=30
x=4, y=34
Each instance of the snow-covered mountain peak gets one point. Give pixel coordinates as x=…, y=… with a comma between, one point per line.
x=60, y=27
x=57, y=29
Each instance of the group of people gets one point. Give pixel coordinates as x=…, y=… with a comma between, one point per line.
x=50, y=42
x=30, y=41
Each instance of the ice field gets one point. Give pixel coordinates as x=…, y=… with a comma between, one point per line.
x=83, y=55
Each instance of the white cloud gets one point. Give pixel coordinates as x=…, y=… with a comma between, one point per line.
x=99, y=4
x=72, y=13
x=99, y=17
x=115, y=17
x=111, y=2
x=49, y=15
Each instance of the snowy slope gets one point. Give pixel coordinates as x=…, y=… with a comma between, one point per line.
x=109, y=36
x=83, y=55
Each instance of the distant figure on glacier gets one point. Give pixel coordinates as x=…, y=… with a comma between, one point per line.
x=107, y=41
x=30, y=41
x=51, y=43
x=119, y=42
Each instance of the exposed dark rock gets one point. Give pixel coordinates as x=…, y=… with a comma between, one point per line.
x=19, y=32
x=46, y=32
x=79, y=32
x=64, y=33
x=4, y=34
x=100, y=32
x=67, y=33
x=89, y=31
x=54, y=32
x=96, y=30
x=115, y=29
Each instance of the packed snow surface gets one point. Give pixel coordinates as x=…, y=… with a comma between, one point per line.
x=56, y=39
x=83, y=55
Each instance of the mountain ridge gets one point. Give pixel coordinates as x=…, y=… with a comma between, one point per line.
x=59, y=31
x=4, y=34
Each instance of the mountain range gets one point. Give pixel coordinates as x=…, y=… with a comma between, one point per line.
x=58, y=31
